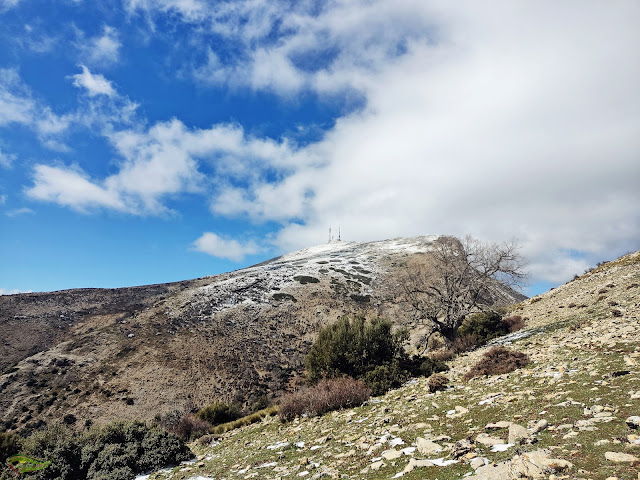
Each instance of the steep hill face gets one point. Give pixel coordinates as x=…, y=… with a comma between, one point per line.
x=135, y=352
x=572, y=413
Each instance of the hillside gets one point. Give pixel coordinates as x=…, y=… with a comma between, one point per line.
x=132, y=353
x=573, y=413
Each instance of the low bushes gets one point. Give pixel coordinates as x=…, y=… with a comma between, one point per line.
x=484, y=326
x=219, y=412
x=117, y=451
x=478, y=329
x=10, y=444
x=514, y=323
x=190, y=427
x=326, y=395
x=496, y=361
x=436, y=382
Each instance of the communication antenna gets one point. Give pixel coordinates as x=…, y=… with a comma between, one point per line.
x=329, y=234
x=339, y=239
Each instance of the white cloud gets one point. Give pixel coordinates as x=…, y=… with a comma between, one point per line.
x=230, y=249
x=7, y=4
x=519, y=124
x=70, y=187
x=6, y=159
x=17, y=106
x=19, y=211
x=12, y=291
x=191, y=10
x=167, y=159
x=3, y=199
x=94, y=83
x=101, y=50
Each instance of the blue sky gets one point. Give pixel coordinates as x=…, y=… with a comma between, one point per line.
x=147, y=141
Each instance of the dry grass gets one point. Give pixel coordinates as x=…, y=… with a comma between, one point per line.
x=244, y=421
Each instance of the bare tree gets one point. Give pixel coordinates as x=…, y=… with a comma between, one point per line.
x=458, y=277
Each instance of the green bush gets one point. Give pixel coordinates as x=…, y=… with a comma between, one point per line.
x=367, y=350
x=219, y=412
x=352, y=347
x=485, y=326
x=117, y=451
x=385, y=377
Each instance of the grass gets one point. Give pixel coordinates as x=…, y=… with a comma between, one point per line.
x=244, y=421
x=340, y=441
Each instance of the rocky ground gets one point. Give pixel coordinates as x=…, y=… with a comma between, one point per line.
x=572, y=413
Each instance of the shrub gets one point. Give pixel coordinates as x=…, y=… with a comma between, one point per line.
x=442, y=355
x=385, y=377
x=190, y=427
x=485, y=326
x=219, y=412
x=437, y=382
x=513, y=323
x=10, y=444
x=352, y=347
x=465, y=343
x=116, y=451
x=327, y=395
x=496, y=361
x=244, y=421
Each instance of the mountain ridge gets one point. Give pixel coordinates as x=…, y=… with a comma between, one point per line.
x=134, y=352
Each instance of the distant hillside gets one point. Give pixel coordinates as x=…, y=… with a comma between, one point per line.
x=572, y=413
x=134, y=352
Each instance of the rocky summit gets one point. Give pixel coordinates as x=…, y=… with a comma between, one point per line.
x=133, y=353
x=572, y=413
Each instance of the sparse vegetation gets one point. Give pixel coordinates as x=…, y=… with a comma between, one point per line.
x=284, y=296
x=326, y=395
x=497, y=361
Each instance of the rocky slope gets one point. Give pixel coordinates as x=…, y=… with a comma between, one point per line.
x=135, y=352
x=572, y=413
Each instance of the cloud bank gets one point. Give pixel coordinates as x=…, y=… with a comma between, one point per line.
x=500, y=120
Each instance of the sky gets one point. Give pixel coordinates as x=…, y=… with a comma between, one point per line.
x=149, y=141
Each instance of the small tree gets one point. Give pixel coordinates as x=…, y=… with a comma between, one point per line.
x=367, y=350
x=353, y=347
x=456, y=278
